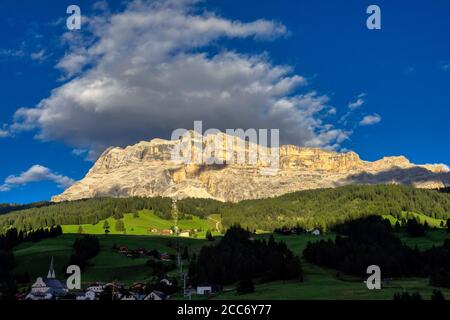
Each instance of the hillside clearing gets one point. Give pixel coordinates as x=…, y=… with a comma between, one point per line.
x=144, y=223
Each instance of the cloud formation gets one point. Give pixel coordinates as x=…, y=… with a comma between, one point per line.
x=358, y=102
x=40, y=55
x=144, y=72
x=370, y=120
x=4, y=133
x=36, y=173
x=10, y=53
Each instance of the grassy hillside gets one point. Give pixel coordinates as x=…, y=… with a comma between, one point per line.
x=421, y=218
x=320, y=283
x=145, y=221
x=297, y=243
x=322, y=208
x=432, y=238
x=325, y=208
x=325, y=285
x=309, y=209
x=89, y=211
x=109, y=265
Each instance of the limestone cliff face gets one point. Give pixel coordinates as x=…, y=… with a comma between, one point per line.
x=147, y=169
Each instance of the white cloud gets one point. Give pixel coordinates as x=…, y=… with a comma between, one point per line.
x=10, y=53
x=144, y=72
x=36, y=173
x=79, y=152
x=40, y=56
x=101, y=5
x=4, y=133
x=24, y=53
x=370, y=120
x=358, y=102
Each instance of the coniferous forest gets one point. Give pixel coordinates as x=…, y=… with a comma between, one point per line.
x=239, y=257
x=371, y=241
x=322, y=208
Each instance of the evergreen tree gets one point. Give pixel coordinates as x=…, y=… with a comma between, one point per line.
x=415, y=229
x=120, y=226
x=323, y=208
x=106, y=225
x=118, y=215
x=209, y=236
x=85, y=248
x=237, y=257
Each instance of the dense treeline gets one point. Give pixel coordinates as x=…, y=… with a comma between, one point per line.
x=7, y=284
x=322, y=208
x=8, y=241
x=289, y=230
x=85, y=248
x=325, y=208
x=371, y=241
x=444, y=190
x=238, y=257
x=364, y=242
x=7, y=208
x=439, y=260
x=82, y=212
x=199, y=207
x=13, y=237
x=415, y=229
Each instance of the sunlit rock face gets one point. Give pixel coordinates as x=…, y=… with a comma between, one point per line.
x=148, y=169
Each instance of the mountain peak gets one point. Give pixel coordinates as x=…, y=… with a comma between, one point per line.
x=147, y=169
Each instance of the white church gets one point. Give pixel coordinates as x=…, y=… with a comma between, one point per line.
x=47, y=288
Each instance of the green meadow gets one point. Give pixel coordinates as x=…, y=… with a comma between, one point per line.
x=325, y=284
x=319, y=283
x=421, y=218
x=432, y=238
x=108, y=265
x=144, y=222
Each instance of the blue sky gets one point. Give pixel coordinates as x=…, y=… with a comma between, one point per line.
x=400, y=74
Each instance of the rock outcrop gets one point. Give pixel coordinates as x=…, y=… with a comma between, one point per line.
x=148, y=169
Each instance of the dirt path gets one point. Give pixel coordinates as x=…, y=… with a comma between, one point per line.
x=217, y=223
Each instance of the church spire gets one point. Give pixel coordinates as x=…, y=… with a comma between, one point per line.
x=51, y=271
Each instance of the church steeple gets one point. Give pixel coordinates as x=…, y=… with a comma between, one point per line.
x=51, y=271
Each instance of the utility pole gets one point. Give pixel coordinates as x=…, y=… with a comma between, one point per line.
x=185, y=276
x=177, y=231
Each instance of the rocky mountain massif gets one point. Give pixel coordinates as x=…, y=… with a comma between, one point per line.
x=148, y=169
